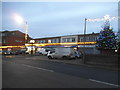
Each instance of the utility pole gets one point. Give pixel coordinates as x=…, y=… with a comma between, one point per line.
x=84, y=42
x=26, y=36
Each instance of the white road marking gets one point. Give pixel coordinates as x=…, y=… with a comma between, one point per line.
x=53, y=71
x=31, y=66
x=38, y=68
x=104, y=82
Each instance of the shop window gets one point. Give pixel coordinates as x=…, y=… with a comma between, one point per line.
x=72, y=39
x=81, y=39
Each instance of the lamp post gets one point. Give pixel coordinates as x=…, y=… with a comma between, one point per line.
x=20, y=20
x=26, y=33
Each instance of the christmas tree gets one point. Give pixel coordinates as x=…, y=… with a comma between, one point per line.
x=107, y=38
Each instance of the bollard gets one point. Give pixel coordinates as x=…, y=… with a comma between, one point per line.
x=83, y=58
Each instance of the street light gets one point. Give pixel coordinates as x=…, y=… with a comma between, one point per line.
x=20, y=20
x=26, y=33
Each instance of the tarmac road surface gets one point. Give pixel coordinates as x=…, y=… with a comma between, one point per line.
x=24, y=72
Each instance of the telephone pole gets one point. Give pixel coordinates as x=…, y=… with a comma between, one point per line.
x=84, y=41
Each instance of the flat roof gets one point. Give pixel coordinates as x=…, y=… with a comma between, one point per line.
x=67, y=35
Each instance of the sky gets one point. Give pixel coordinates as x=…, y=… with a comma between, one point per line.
x=50, y=19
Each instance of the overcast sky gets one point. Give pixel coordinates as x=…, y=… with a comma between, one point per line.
x=49, y=19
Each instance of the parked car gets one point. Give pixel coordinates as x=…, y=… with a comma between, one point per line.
x=17, y=52
x=43, y=51
x=27, y=52
x=6, y=52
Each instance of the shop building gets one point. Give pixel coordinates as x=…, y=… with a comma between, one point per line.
x=81, y=42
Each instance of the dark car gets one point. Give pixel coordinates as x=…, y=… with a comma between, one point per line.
x=6, y=52
x=17, y=52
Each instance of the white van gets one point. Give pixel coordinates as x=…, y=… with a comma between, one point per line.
x=65, y=53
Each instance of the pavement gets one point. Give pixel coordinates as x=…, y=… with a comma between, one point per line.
x=73, y=61
x=88, y=64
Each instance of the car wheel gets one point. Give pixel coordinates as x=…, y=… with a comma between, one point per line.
x=49, y=57
x=64, y=57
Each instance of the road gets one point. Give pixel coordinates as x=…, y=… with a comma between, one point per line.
x=25, y=72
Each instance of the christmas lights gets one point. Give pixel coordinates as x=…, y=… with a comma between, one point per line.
x=107, y=38
x=105, y=18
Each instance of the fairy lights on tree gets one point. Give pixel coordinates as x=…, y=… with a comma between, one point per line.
x=107, y=41
x=105, y=18
x=107, y=38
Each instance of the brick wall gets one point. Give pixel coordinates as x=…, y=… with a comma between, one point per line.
x=15, y=41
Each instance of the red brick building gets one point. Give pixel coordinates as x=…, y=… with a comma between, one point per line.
x=13, y=38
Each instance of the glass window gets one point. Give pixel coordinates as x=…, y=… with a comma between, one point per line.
x=64, y=40
x=93, y=38
x=68, y=39
x=81, y=39
x=57, y=40
x=17, y=41
x=13, y=33
x=52, y=41
x=43, y=41
x=90, y=38
x=3, y=34
x=73, y=40
x=87, y=38
x=40, y=41
x=96, y=37
x=37, y=41
x=4, y=41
